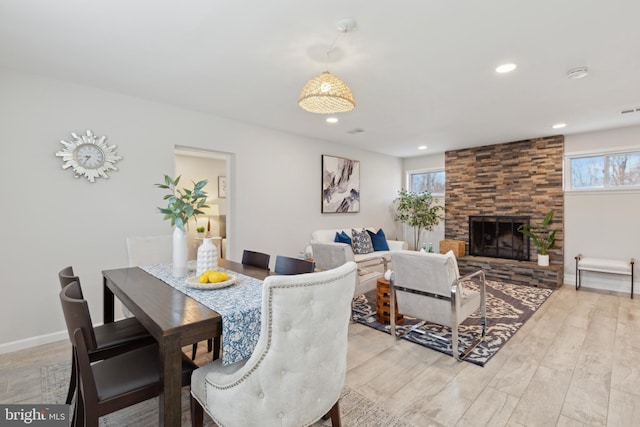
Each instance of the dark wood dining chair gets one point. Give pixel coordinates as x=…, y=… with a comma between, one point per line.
x=256, y=259
x=114, y=383
x=287, y=265
x=111, y=338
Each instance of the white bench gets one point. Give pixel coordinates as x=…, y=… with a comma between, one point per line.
x=603, y=265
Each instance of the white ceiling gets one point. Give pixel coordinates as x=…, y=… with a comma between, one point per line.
x=422, y=71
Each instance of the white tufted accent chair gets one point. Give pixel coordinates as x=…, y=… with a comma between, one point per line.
x=296, y=373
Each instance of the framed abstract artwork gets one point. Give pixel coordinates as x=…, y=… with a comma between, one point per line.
x=340, y=185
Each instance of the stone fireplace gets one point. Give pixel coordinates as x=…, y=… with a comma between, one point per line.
x=521, y=179
x=498, y=237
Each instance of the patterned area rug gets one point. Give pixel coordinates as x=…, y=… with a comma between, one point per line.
x=508, y=308
x=356, y=410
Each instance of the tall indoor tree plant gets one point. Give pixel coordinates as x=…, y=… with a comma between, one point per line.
x=182, y=205
x=418, y=210
x=542, y=237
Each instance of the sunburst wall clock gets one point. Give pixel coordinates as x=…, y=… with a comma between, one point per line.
x=88, y=156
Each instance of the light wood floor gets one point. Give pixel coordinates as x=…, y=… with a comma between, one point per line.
x=575, y=362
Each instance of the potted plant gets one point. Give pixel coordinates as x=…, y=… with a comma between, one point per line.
x=182, y=205
x=542, y=237
x=418, y=211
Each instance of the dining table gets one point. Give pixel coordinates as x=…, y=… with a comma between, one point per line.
x=176, y=319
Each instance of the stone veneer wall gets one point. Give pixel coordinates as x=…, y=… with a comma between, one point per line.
x=516, y=178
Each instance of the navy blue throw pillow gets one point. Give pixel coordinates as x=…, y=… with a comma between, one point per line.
x=379, y=240
x=342, y=237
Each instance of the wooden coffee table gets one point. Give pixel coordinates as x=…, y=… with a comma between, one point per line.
x=383, y=304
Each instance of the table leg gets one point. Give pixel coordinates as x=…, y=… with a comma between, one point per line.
x=170, y=401
x=107, y=302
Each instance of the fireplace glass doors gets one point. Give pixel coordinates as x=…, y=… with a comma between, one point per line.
x=498, y=237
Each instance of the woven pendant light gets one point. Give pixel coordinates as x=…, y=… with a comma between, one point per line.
x=326, y=94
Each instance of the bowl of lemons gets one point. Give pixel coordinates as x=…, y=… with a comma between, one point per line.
x=211, y=279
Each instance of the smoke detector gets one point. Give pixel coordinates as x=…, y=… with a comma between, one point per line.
x=578, y=73
x=346, y=25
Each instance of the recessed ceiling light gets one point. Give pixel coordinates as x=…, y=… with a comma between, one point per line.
x=506, y=68
x=332, y=120
x=559, y=125
x=356, y=130
x=422, y=147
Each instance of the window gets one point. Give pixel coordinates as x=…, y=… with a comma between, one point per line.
x=604, y=171
x=432, y=181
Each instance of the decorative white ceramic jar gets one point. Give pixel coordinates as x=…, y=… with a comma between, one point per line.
x=207, y=256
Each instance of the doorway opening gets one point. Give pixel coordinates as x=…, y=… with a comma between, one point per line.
x=194, y=165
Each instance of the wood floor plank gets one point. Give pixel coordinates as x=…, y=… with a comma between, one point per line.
x=624, y=409
x=541, y=402
x=492, y=407
x=587, y=399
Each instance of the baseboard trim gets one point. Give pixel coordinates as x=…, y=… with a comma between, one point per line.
x=18, y=345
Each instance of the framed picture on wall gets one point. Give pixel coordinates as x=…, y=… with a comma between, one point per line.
x=222, y=187
x=340, y=185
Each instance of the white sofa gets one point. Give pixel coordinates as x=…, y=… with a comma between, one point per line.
x=325, y=236
x=371, y=266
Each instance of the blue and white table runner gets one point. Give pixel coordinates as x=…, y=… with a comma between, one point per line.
x=239, y=306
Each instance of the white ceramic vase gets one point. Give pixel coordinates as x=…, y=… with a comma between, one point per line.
x=543, y=260
x=180, y=253
x=207, y=256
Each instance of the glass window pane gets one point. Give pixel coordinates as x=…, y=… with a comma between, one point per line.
x=587, y=172
x=623, y=169
x=432, y=182
x=437, y=182
x=418, y=184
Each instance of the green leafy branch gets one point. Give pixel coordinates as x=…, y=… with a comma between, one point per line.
x=542, y=238
x=182, y=204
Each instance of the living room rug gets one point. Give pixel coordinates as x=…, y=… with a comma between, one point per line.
x=508, y=308
x=356, y=410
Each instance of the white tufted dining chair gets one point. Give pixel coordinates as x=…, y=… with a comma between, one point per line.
x=146, y=250
x=297, y=371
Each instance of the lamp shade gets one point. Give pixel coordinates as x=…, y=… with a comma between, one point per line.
x=326, y=94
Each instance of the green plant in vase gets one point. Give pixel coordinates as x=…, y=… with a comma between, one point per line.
x=542, y=237
x=182, y=205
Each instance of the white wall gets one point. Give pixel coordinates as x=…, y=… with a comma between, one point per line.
x=602, y=224
x=50, y=220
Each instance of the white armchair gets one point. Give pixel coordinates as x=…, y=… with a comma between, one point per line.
x=428, y=286
x=328, y=255
x=296, y=373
